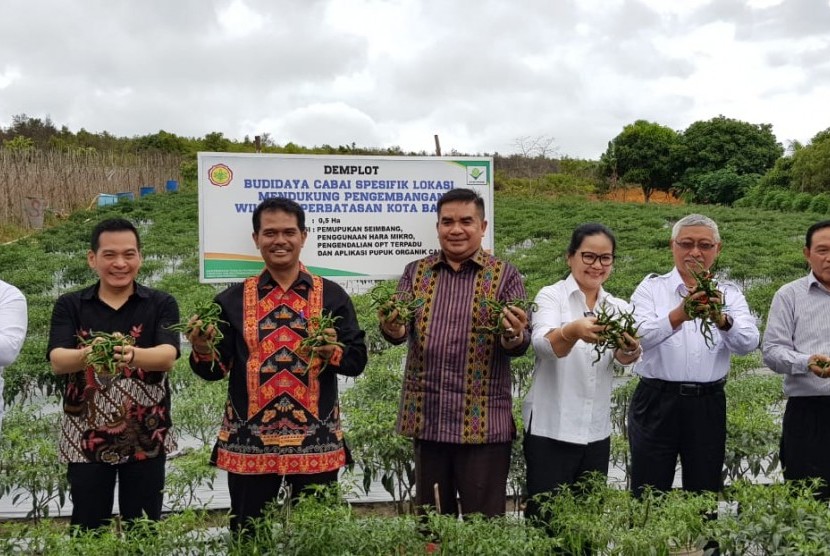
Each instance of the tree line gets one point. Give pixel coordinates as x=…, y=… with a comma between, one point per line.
x=716, y=161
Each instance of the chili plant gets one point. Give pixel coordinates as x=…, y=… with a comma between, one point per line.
x=616, y=322
x=29, y=468
x=189, y=470
x=386, y=299
x=316, y=338
x=370, y=410
x=704, y=306
x=496, y=313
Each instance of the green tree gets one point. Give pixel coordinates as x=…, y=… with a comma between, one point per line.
x=720, y=143
x=19, y=143
x=810, y=171
x=723, y=187
x=642, y=154
x=162, y=141
x=37, y=130
x=779, y=176
x=216, y=142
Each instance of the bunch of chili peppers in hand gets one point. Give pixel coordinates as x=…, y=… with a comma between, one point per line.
x=101, y=358
x=616, y=322
x=496, y=313
x=823, y=365
x=386, y=299
x=206, y=315
x=316, y=336
x=708, y=305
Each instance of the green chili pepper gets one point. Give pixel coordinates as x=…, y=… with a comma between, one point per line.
x=102, y=356
x=386, y=299
x=208, y=313
x=495, y=309
x=616, y=323
x=316, y=338
x=702, y=308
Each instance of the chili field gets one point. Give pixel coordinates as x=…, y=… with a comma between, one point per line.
x=762, y=250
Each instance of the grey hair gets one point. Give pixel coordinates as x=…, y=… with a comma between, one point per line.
x=696, y=220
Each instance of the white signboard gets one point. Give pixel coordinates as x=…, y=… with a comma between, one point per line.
x=366, y=216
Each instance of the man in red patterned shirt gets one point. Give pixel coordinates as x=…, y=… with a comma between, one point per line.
x=281, y=424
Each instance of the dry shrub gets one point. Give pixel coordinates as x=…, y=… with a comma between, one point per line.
x=72, y=181
x=635, y=195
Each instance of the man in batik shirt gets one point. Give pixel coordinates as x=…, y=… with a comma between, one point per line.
x=281, y=424
x=116, y=421
x=457, y=394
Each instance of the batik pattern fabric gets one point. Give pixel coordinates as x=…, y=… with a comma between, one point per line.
x=123, y=417
x=116, y=418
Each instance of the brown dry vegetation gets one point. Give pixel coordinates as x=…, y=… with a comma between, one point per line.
x=635, y=195
x=67, y=182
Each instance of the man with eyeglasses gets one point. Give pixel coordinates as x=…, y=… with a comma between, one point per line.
x=679, y=406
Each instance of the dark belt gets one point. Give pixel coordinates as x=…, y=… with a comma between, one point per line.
x=684, y=388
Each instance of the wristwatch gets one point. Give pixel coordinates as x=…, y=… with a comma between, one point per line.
x=727, y=323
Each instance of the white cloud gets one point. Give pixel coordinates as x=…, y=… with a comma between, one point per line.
x=395, y=72
x=9, y=75
x=238, y=20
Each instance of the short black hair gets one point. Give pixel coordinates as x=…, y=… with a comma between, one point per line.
x=813, y=229
x=462, y=195
x=279, y=204
x=590, y=229
x=112, y=225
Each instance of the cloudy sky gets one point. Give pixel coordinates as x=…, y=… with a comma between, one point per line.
x=479, y=73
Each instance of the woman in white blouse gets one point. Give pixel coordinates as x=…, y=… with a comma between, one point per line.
x=567, y=410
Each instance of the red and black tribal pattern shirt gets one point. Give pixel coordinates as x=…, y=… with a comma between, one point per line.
x=282, y=414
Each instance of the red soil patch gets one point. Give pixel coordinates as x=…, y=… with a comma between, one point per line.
x=635, y=195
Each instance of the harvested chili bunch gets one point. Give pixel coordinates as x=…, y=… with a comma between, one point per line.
x=386, y=299
x=207, y=314
x=823, y=365
x=616, y=322
x=712, y=302
x=101, y=359
x=316, y=338
x=496, y=313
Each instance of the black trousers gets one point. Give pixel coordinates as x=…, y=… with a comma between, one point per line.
x=251, y=493
x=475, y=473
x=669, y=419
x=552, y=464
x=805, y=441
x=92, y=489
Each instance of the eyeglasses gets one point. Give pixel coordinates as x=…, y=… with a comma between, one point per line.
x=688, y=245
x=590, y=258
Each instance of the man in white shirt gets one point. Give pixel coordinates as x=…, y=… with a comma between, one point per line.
x=13, y=323
x=679, y=406
x=797, y=345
